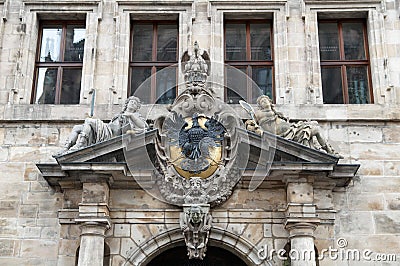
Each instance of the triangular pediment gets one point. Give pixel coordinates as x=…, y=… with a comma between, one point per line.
x=112, y=150
x=282, y=156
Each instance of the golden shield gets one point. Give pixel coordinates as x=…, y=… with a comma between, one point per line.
x=208, y=142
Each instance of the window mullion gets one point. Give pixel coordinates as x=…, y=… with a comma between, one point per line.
x=248, y=44
x=58, y=85
x=344, y=84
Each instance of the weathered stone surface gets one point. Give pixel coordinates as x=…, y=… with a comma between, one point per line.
x=140, y=233
x=387, y=223
x=6, y=247
x=364, y=134
x=391, y=168
x=356, y=223
x=365, y=202
x=392, y=201
x=267, y=198
x=39, y=248
x=300, y=193
x=122, y=230
x=391, y=134
x=34, y=135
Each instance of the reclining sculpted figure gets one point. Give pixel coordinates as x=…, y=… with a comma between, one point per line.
x=93, y=130
x=266, y=118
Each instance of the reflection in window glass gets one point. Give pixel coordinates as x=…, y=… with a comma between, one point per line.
x=138, y=76
x=344, y=62
x=236, y=84
x=167, y=42
x=51, y=44
x=71, y=86
x=58, y=68
x=154, y=47
x=328, y=41
x=74, y=43
x=46, y=85
x=142, y=42
x=260, y=42
x=357, y=83
x=332, y=85
x=262, y=76
x=248, y=43
x=353, y=38
x=235, y=44
x=166, y=85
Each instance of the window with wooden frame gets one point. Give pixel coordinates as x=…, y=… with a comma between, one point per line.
x=345, y=67
x=59, y=60
x=248, y=47
x=154, y=47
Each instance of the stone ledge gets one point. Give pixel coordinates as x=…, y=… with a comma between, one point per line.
x=77, y=113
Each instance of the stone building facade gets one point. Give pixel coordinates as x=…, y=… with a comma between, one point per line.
x=61, y=212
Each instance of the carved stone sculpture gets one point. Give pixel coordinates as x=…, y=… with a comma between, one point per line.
x=94, y=130
x=268, y=119
x=196, y=67
x=196, y=223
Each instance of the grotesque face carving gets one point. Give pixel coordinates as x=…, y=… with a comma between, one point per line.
x=195, y=214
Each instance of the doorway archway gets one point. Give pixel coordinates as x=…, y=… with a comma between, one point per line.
x=177, y=256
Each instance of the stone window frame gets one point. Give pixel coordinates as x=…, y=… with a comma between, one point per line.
x=249, y=63
x=128, y=10
x=154, y=63
x=31, y=13
x=219, y=10
x=61, y=65
x=374, y=11
x=343, y=64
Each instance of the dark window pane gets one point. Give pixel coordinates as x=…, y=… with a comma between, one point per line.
x=166, y=85
x=357, y=82
x=332, y=85
x=74, y=43
x=260, y=41
x=235, y=35
x=142, y=42
x=71, y=86
x=51, y=43
x=328, y=41
x=353, y=37
x=262, y=76
x=167, y=36
x=138, y=76
x=236, y=84
x=46, y=85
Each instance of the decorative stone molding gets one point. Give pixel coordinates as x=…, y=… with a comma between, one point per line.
x=218, y=10
x=375, y=12
x=127, y=10
x=218, y=237
x=30, y=10
x=196, y=222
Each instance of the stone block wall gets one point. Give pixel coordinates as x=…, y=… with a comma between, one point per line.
x=367, y=211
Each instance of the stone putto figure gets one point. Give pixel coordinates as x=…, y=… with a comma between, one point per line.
x=266, y=118
x=196, y=225
x=94, y=130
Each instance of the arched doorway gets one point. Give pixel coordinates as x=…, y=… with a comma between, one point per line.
x=215, y=256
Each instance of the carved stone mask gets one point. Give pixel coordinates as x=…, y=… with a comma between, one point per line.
x=195, y=214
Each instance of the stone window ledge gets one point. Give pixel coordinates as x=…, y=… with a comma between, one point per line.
x=331, y=112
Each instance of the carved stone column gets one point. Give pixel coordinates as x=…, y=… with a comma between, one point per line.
x=301, y=221
x=95, y=221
